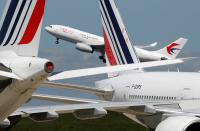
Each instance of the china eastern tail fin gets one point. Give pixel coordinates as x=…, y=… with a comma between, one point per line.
x=118, y=48
x=174, y=48
x=20, y=26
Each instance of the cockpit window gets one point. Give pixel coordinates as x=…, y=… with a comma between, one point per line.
x=51, y=26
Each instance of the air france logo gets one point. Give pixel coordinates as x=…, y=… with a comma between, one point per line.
x=172, y=48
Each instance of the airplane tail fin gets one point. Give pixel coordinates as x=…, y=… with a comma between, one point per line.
x=173, y=49
x=20, y=26
x=118, y=48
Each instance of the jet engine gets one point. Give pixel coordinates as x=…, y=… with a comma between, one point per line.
x=180, y=123
x=84, y=47
x=88, y=114
x=4, y=124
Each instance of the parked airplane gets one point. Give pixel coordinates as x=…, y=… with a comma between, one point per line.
x=161, y=101
x=89, y=43
x=21, y=71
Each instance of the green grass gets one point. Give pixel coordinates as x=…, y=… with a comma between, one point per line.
x=112, y=122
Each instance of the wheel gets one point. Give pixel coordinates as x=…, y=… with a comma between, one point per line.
x=57, y=41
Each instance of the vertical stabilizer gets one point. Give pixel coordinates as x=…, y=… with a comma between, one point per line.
x=173, y=49
x=20, y=26
x=118, y=47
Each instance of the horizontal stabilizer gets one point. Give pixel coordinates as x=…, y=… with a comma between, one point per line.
x=111, y=69
x=9, y=75
x=148, y=46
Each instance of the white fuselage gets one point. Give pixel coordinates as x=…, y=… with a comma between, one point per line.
x=174, y=89
x=76, y=36
x=14, y=93
x=154, y=86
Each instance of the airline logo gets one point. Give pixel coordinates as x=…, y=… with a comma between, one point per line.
x=172, y=48
x=21, y=22
x=116, y=47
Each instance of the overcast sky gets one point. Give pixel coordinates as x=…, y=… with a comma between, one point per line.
x=147, y=21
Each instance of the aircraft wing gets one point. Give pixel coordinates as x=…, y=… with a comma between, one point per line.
x=111, y=69
x=63, y=99
x=148, y=46
x=95, y=90
x=123, y=107
x=62, y=109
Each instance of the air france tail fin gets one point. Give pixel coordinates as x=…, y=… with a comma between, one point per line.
x=173, y=49
x=20, y=26
x=118, y=48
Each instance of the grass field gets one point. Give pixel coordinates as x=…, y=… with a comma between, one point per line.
x=112, y=122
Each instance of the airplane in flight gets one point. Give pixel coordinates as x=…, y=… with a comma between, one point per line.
x=160, y=101
x=89, y=43
x=21, y=70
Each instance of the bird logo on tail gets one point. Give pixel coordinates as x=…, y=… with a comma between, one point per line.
x=172, y=48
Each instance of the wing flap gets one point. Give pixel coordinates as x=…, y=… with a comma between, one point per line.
x=111, y=106
x=62, y=109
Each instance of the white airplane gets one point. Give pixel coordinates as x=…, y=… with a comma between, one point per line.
x=21, y=71
x=89, y=43
x=160, y=101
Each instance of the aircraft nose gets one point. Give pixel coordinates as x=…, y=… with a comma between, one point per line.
x=48, y=29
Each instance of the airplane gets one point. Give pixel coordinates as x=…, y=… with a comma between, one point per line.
x=160, y=101
x=89, y=43
x=21, y=70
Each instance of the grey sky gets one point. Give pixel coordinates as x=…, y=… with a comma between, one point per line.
x=147, y=21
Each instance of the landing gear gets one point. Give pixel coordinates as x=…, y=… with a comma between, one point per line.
x=57, y=41
x=102, y=58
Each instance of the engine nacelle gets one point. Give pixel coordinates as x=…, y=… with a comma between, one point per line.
x=44, y=117
x=179, y=123
x=88, y=114
x=84, y=47
x=5, y=123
